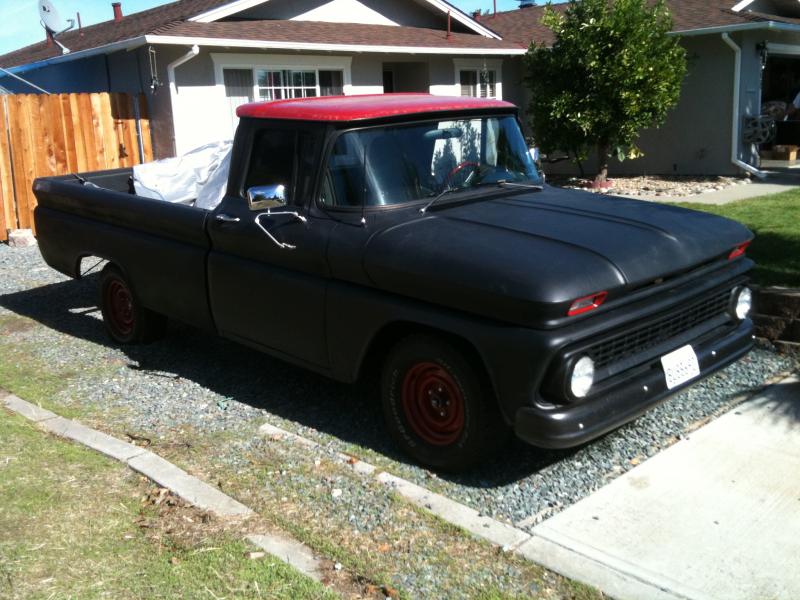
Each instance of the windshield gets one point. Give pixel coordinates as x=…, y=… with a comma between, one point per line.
x=397, y=164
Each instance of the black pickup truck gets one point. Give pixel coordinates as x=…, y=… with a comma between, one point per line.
x=412, y=235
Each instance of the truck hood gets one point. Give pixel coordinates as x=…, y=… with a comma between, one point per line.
x=498, y=256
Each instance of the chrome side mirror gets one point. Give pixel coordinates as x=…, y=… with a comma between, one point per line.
x=261, y=197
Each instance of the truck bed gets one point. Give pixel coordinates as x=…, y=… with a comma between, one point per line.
x=163, y=246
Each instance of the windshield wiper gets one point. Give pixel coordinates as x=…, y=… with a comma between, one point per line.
x=448, y=190
x=530, y=186
x=500, y=183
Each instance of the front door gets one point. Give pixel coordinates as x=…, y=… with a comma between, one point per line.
x=270, y=291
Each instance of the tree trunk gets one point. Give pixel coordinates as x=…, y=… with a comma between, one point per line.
x=579, y=162
x=603, y=151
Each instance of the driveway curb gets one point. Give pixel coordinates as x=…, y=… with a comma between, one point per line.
x=501, y=534
x=167, y=475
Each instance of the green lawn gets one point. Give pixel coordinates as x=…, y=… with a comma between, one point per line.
x=73, y=525
x=775, y=220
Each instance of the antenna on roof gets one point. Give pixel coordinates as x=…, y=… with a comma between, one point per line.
x=53, y=24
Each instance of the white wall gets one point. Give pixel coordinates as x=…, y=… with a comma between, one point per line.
x=202, y=114
x=345, y=11
x=382, y=12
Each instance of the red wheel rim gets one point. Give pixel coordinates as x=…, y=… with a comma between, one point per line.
x=433, y=403
x=120, y=306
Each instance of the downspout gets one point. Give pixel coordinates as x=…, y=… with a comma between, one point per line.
x=173, y=88
x=737, y=76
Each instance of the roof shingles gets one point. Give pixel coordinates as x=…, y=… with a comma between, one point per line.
x=172, y=19
x=315, y=32
x=525, y=24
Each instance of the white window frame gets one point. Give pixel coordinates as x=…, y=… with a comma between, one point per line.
x=478, y=65
x=277, y=62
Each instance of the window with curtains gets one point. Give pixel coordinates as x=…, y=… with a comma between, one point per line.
x=478, y=83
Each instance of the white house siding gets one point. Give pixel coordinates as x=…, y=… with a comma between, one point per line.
x=410, y=14
x=345, y=11
x=202, y=113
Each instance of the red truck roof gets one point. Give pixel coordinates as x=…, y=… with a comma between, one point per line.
x=354, y=108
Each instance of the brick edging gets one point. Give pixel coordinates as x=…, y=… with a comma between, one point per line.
x=777, y=315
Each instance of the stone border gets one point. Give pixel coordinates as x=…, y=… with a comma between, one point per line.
x=501, y=534
x=777, y=316
x=167, y=475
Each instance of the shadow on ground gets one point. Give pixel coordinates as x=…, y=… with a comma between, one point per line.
x=784, y=403
x=349, y=412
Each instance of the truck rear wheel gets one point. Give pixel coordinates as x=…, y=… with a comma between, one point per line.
x=437, y=407
x=126, y=320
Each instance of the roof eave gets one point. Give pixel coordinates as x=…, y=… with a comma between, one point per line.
x=317, y=47
x=771, y=25
x=128, y=44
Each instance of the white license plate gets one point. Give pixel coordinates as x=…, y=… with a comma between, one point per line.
x=680, y=366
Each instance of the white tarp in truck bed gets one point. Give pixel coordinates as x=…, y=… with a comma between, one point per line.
x=199, y=177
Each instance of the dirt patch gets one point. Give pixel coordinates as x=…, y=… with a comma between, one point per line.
x=12, y=325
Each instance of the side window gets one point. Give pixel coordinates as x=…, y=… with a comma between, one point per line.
x=273, y=160
x=344, y=177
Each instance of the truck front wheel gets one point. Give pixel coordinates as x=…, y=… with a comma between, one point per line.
x=126, y=320
x=437, y=406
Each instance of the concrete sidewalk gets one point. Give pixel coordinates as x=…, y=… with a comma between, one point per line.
x=715, y=516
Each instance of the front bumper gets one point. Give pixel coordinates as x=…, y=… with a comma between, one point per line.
x=567, y=426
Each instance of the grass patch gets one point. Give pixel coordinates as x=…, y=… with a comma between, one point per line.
x=775, y=220
x=74, y=525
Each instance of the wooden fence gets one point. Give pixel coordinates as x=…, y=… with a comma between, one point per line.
x=43, y=135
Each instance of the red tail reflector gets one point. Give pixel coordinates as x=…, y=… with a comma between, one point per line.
x=738, y=251
x=587, y=303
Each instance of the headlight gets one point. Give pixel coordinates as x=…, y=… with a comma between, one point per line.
x=742, y=303
x=582, y=377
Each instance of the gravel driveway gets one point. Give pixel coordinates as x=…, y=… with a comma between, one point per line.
x=195, y=380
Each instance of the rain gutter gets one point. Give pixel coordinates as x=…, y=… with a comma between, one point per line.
x=737, y=76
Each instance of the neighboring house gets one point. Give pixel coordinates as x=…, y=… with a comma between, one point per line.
x=740, y=57
x=197, y=60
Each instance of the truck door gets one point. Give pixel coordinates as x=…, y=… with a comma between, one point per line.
x=267, y=273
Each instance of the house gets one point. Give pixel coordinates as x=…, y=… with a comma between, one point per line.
x=744, y=59
x=197, y=60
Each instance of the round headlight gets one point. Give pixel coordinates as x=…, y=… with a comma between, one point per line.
x=744, y=302
x=582, y=377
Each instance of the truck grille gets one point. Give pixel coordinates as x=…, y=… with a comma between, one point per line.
x=648, y=336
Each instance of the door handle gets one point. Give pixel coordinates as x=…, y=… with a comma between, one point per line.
x=227, y=219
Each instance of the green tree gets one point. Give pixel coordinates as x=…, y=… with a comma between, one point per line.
x=611, y=72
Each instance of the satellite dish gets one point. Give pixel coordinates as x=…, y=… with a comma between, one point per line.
x=53, y=23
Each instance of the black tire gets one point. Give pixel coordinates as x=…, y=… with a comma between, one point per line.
x=126, y=320
x=438, y=407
